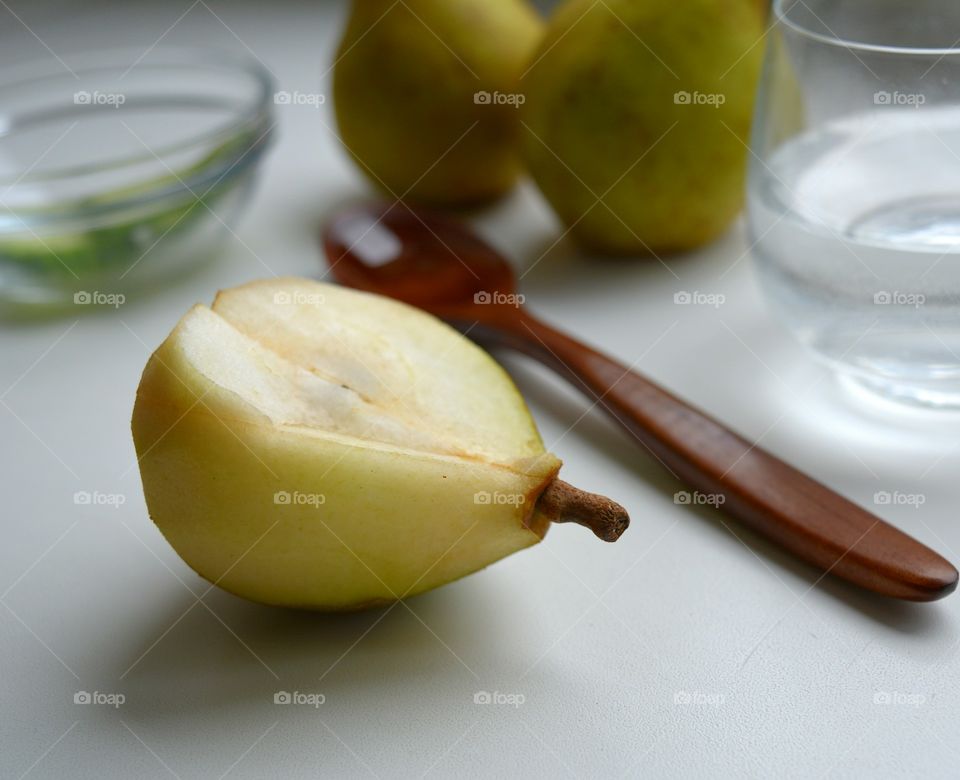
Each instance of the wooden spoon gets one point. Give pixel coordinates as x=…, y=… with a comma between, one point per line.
x=435, y=263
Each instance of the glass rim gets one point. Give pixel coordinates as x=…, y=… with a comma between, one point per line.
x=781, y=17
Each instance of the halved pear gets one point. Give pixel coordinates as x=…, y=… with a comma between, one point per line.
x=306, y=445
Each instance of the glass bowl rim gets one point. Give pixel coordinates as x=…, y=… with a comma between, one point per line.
x=113, y=59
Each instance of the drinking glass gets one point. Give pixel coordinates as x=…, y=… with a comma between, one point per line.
x=854, y=189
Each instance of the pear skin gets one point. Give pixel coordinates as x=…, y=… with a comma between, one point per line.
x=310, y=446
x=425, y=95
x=637, y=119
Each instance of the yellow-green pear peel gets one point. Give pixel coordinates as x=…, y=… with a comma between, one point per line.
x=306, y=445
x=426, y=95
x=637, y=118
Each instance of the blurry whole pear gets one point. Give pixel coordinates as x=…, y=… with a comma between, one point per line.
x=306, y=445
x=425, y=94
x=638, y=114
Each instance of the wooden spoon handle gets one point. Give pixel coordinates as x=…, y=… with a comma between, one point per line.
x=800, y=514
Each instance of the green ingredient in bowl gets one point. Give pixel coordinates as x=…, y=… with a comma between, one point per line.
x=93, y=251
x=116, y=246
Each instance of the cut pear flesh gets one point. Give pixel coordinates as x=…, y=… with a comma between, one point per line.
x=306, y=445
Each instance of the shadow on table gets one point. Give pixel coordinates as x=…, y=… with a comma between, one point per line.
x=186, y=661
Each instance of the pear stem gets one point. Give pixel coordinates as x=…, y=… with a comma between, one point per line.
x=561, y=502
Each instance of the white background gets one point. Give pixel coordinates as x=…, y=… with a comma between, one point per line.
x=688, y=648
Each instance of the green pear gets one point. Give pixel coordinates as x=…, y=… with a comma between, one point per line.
x=306, y=445
x=426, y=94
x=637, y=119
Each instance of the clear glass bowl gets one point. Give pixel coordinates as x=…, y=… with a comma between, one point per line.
x=125, y=174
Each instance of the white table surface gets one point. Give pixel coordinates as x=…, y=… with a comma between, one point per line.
x=690, y=648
